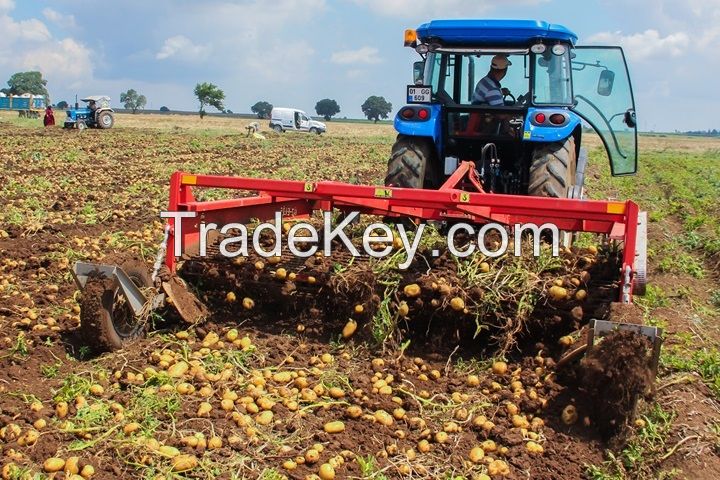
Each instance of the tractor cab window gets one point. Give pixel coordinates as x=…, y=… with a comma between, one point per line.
x=552, y=84
x=454, y=76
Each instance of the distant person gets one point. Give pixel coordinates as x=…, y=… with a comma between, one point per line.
x=252, y=128
x=488, y=90
x=49, y=118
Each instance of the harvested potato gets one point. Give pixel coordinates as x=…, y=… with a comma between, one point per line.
x=53, y=464
x=412, y=290
x=557, y=293
x=569, y=415
x=182, y=463
x=334, y=427
x=499, y=368
x=457, y=304
x=327, y=472
x=477, y=454
x=349, y=328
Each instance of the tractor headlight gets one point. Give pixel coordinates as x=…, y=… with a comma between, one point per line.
x=538, y=48
x=558, y=49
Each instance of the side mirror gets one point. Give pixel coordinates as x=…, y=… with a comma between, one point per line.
x=630, y=119
x=605, y=83
x=418, y=72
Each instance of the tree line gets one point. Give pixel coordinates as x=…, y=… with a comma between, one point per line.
x=207, y=94
x=374, y=108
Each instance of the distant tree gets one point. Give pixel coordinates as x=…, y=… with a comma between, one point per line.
x=62, y=105
x=164, y=109
x=327, y=108
x=376, y=108
x=26, y=82
x=133, y=100
x=229, y=112
x=262, y=109
x=209, y=94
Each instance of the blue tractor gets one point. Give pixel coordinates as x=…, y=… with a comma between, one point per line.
x=97, y=114
x=514, y=97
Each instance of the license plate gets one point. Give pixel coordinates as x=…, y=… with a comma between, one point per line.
x=419, y=94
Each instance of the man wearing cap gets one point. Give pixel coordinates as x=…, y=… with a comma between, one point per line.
x=488, y=90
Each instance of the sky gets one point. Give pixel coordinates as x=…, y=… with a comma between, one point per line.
x=295, y=52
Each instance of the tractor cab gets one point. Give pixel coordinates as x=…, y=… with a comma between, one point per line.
x=513, y=96
x=96, y=113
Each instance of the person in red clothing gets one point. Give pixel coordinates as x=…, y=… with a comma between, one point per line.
x=49, y=119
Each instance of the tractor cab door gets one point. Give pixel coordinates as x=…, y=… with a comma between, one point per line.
x=604, y=99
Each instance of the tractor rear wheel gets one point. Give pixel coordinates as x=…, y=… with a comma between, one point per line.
x=552, y=171
x=410, y=164
x=105, y=120
x=107, y=321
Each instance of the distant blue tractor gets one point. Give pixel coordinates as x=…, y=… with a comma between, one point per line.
x=527, y=143
x=97, y=114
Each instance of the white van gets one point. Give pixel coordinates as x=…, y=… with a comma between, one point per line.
x=294, y=120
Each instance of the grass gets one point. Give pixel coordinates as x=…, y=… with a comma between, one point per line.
x=50, y=371
x=369, y=469
x=640, y=458
x=705, y=362
x=73, y=385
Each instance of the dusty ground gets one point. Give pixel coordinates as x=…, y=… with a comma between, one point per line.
x=68, y=197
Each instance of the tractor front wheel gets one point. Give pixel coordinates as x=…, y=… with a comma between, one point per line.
x=552, y=171
x=410, y=164
x=107, y=321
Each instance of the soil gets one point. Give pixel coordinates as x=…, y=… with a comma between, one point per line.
x=39, y=259
x=615, y=373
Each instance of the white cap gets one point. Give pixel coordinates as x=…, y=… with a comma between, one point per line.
x=500, y=62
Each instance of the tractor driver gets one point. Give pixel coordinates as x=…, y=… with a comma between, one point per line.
x=93, y=108
x=488, y=90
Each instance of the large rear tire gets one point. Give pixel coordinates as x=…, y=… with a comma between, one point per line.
x=107, y=321
x=410, y=164
x=105, y=119
x=552, y=171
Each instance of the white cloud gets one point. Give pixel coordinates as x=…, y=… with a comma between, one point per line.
x=182, y=47
x=31, y=30
x=281, y=62
x=367, y=55
x=435, y=8
x=66, y=60
x=645, y=45
x=67, y=21
x=28, y=45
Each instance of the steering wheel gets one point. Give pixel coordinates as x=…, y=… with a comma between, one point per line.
x=512, y=101
x=524, y=99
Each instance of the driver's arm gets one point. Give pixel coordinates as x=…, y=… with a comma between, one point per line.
x=494, y=98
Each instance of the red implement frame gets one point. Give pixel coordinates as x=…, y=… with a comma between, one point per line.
x=460, y=198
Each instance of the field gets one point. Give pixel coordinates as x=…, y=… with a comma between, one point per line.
x=258, y=396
